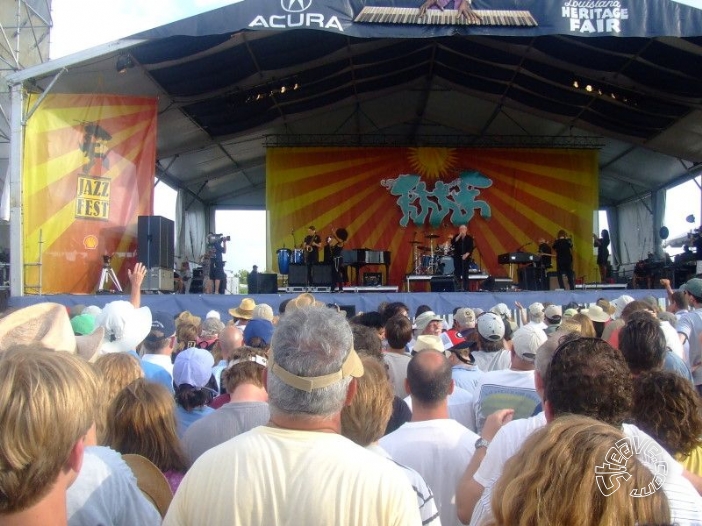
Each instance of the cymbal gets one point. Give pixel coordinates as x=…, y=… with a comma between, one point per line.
x=432, y=236
x=414, y=242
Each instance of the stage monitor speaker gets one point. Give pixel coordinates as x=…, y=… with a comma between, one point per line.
x=442, y=284
x=297, y=275
x=267, y=283
x=155, y=242
x=322, y=275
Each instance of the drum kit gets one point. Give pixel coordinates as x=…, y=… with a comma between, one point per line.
x=431, y=260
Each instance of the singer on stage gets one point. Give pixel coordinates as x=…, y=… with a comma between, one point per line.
x=463, y=245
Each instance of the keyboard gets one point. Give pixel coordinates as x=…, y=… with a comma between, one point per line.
x=447, y=17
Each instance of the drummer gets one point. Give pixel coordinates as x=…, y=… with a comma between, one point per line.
x=447, y=247
x=463, y=245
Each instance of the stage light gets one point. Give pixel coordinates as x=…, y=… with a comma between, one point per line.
x=124, y=62
x=588, y=88
x=576, y=84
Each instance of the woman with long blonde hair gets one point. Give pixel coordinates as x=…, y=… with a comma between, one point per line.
x=141, y=420
x=554, y=480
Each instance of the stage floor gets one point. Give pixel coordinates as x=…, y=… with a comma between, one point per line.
x=441, y=302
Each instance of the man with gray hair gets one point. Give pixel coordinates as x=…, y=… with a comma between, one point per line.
x=298, y=469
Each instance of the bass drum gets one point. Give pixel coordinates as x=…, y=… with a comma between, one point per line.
x=446, y=266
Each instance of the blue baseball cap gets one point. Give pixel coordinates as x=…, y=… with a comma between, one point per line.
x=162, y=326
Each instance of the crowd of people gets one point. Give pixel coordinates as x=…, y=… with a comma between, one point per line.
x=544, y=414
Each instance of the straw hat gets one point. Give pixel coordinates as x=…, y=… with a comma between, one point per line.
x=428, y=342
x=47, y=325
x=244, y=310
x=596, y=313
x=151, y=482
x=303, y=300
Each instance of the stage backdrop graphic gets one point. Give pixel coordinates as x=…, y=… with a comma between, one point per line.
x=88, y=174
x=389, y=197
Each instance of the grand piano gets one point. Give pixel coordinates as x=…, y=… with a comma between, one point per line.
x=361, y=257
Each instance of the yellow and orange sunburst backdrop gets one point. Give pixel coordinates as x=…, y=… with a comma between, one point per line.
x=389, y=197
x=88, y=174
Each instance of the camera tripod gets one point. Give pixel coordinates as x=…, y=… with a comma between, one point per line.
x=107, y=275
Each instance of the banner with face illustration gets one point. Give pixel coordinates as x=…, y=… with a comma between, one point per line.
x=409, y=201
x=88, y=174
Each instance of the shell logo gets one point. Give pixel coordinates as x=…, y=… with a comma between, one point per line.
x=90, y=242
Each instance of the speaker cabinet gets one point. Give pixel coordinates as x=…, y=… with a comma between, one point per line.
x=155, y=242
x=158, y=279
x=552, y=280
x=442, y=284
x=529, y=278
x=267, y=284
x=297, y=275
x=321, y=275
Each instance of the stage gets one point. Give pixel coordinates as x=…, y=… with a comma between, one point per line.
x=441, y=302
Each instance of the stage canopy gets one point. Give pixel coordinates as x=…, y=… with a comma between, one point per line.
x=621, y=76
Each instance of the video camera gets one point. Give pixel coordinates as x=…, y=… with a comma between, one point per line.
x=216, y=238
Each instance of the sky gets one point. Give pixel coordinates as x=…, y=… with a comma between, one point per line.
x=114, y=19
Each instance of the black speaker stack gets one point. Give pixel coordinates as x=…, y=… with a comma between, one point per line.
x=155, y=250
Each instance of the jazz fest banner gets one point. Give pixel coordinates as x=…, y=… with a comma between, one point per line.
x=394, y=198
x=87, y=176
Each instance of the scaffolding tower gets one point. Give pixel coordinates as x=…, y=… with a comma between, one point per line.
x=25, y=27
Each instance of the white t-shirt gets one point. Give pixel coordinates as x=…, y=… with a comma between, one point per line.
x=397, y=371
x=504, y=389
x=492, y=361
x=425, y=497
x=439, y=450
x=288, y=477
x=460, y=407
x=106, y=492
x=685, y=503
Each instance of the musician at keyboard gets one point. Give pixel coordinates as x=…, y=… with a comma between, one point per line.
x=462, y=6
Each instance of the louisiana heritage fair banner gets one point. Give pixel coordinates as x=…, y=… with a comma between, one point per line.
x=87, y=176
x=392, y=198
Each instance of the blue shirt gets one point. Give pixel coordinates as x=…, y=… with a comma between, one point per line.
x=186, y=418
x=155, y=373
x=673, y=362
